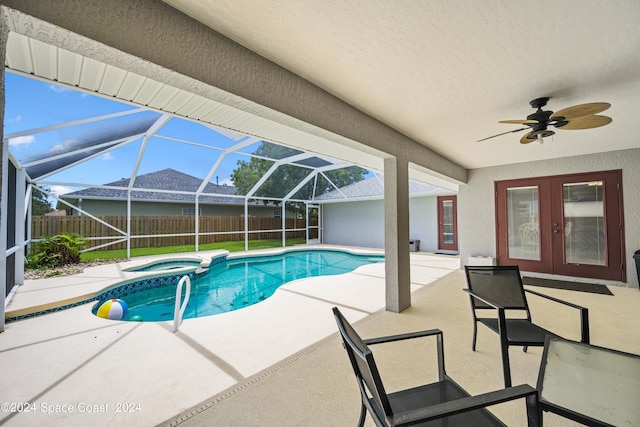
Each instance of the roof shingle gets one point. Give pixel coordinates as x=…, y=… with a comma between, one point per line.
x=166, y=179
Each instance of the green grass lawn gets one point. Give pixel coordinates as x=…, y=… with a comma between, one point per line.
x=229, y=246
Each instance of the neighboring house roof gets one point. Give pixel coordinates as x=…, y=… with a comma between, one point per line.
x=56, y=213
x=166, y=179
x=172, y=180
x=374, y=188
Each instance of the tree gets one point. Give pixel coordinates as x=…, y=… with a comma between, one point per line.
x=40, y=204
x=286, y=177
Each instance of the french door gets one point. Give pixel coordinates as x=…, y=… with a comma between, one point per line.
x=568, y=225
x=313, y=224
x=447, y=224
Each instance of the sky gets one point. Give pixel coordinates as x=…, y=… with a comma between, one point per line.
x=36, y=114
x=32, y=104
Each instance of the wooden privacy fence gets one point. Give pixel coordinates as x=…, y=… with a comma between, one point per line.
x=167, y=230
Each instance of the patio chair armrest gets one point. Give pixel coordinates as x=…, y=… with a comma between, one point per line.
x=437, y=333
x=471, y=403
x=567, y=303
x=400, y=337
x=484, y=300
x=584, y=313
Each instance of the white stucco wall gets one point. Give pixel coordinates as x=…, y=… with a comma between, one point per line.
x=423, y=222
x=476, y=209
x=362, y=223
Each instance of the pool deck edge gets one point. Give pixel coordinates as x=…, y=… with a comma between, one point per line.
x=39, y=295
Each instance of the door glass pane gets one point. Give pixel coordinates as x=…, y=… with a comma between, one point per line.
x=523, y=223
x=447, y=221
x=584, y=239
x=313, y=229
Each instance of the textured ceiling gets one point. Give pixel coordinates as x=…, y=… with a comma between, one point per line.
x=444, y=72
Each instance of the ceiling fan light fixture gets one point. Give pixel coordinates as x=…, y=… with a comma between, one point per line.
x=583, y=116
x=545, y=133
x=536, y=136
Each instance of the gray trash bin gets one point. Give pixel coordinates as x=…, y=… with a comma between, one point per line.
x=414, y=245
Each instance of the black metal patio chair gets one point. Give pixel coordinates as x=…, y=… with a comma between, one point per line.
x=500, y=288
x=442, y=402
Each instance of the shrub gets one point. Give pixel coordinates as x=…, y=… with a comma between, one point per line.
x=55, y=251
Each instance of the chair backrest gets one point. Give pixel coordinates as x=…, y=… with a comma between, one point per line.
x=500, y=284
x=364, y=365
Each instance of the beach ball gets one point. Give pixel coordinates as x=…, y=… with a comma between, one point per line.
x=114, y=309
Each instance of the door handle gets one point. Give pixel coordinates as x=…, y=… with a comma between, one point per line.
x=556, y=231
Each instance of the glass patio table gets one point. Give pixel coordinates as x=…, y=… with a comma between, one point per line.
x=592, y=385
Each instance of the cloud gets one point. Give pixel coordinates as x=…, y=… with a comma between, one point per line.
x=60, y=190
x=22, y=140
x=107, y=156
x=66, y=146
x=58, y=148
x=16, y=119
x=59, y=89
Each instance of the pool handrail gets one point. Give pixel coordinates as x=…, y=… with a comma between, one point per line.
x=179, y=309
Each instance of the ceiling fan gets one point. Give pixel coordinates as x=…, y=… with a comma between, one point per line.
x=583, y=116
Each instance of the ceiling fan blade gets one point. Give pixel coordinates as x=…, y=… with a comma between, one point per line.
x=519, y=122
x=503, y=133
x=582, y=110
x=526, y=138
x=588, y=122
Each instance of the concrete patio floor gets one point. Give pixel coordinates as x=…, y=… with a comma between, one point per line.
x=279, y=362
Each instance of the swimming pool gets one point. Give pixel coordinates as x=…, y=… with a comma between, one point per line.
x=241, y=282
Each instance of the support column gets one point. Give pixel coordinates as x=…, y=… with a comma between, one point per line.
x=396, y=234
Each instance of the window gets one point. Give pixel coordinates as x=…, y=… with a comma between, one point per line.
x=191, y=212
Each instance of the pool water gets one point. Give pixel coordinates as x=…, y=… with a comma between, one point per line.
x=242, y=282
